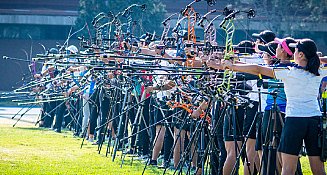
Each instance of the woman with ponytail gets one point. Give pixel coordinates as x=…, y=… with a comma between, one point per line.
x=301, y=84
x=306, y=51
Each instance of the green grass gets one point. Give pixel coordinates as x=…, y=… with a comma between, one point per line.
x=28, y=150
x=304, y=165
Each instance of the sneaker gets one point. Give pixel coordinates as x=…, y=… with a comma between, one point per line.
x=76, y=134
x=142, y=157
x=91, y=140
x=57, y=130
x=164, y=165
x=153, y=162
x=95, y=143
x=131, y=151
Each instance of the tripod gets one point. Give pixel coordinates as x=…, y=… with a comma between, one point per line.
x=139, y=121
x=21, y=116
x=160, y=119
x=216, y=133
x=106, y=106
x=121, y=125
x=272, y=136
x=233, y=133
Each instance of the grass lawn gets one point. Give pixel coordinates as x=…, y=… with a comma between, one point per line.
x=30, y=150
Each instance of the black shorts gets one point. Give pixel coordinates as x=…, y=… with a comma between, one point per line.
x=297, y=129
x=160, y=112
x=258, y=141
x=181, y=119
x=245, y=124
x=233, y=125
x=249, y=125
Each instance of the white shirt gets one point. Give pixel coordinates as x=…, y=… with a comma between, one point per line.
x=301, y=88
x=252, y=59
x=253, y=95
x=160, y=80
x=163, y=79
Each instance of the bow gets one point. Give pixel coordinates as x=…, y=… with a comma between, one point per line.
x=228, y=26
x=187, y=108
x=166, y=24
x=209, y=29
x=192, y=17
x=128, y=15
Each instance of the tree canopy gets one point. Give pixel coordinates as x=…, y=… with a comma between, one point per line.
x=143, y=21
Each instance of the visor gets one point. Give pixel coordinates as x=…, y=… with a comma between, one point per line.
x=283, y=43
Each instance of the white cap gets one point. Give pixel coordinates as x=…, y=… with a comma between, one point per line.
x=73, y=49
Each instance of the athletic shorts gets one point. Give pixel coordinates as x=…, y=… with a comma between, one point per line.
x=297, y=129
x=160, y=112
x=233, y=125
x=249, y=125
x=181, y=119
x=245, y=124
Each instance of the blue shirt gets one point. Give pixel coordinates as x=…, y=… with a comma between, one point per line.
x=281, y=96
x=280, y=100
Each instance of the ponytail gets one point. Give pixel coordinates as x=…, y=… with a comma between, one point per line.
x=313, y=64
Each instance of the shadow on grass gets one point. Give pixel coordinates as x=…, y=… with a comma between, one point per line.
x=33, y=128
x=20, y=120
x=153, y=170
x=67, y=150
x=63, y=131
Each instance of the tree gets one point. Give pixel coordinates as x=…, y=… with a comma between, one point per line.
x=286, y=16
x=147, y=21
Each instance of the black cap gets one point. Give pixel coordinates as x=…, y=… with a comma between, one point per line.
x=245, y=47
x=53, y=51
x=269, y=48
x=309, y=49
x=307, y=46
x=265, y=36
